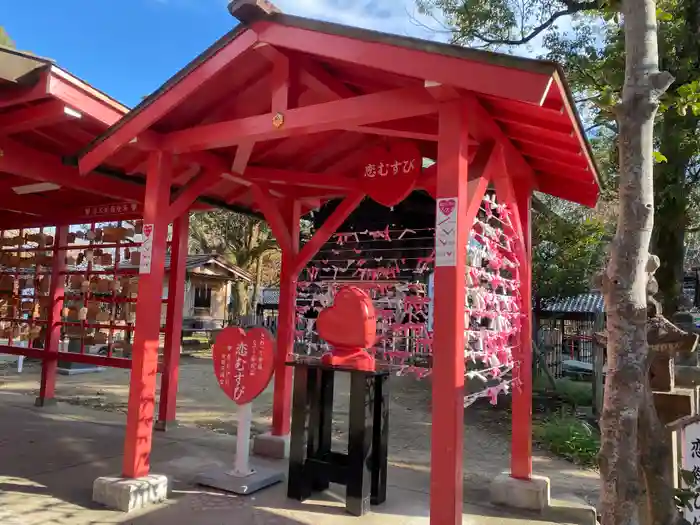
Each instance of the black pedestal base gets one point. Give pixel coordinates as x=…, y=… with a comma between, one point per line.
x=312, y=463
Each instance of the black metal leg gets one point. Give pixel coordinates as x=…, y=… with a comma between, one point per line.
x=359, y=441
x=325, y=424
x=380, y=440
x=298, y=485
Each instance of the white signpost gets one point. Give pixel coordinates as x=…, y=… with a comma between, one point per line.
x=446, y=232
x=690, y=443
x=146, y=249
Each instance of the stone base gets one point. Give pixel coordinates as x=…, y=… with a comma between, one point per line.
x=128, y=495
x=221, y=479
x=163, y=426
x=45, y=402
x=533, y=494
x=270, y=446
x=76, y=371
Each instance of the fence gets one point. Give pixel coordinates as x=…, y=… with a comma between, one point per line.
x=565, y=340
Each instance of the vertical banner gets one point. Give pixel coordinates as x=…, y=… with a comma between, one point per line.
x=446, y=232
x=146, y=249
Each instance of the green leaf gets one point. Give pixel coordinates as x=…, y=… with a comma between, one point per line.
x=659, y=157
x=688, y=477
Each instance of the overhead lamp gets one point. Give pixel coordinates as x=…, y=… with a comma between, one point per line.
x=39, y=187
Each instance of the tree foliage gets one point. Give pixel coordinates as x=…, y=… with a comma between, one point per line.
x=242, y=240
x=587, y=38
x=5, y=39
x=568, y=248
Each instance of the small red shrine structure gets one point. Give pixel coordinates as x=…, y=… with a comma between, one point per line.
x=280, y=116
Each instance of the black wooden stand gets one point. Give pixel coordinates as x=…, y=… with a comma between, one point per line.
x=312, y=463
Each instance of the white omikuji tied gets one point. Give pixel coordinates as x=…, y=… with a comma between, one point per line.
x=492, y=310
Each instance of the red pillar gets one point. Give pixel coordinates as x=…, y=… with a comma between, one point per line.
x=521, y=453
x=144, y=363
x=47, y=388
x=282, y=403
x=448, y=361
x=173, y=323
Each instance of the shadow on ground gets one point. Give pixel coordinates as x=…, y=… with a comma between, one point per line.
x=49, y=459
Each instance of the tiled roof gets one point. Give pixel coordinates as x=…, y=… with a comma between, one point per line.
x=582, y=303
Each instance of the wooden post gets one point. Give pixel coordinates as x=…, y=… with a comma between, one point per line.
x=446, y=484
x=49, y=365
x=282, y=402
x=173, y=323
x=521, y=453
x=144, y=364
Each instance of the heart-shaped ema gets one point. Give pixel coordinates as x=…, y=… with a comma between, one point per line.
x=389, y=174
x=351, y=322
x=447, y=206
x=243, y=362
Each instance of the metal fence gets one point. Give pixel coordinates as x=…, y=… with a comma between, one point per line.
x=563, y=340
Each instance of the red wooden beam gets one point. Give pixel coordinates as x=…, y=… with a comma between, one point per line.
x=562, y=127
x=546, y=153
x=544, y=111
x=328, y=228
x=23, y=161
x=533, y=138
x=482, y=127
x=173, y=324
x=290, y=213
x=413, y=131
x=52, y=339
x=168, y=100
x=84, y=98
x=142, y=381
x=365, y=109
x=236, y=194
x=474, y=75
x=273, y=216
x=22, y=95
x=518, y=198
x=189, y=193
x=565, y=170
x=243, y=153
x=38, y=116
x=446, y=482
x=300, y=178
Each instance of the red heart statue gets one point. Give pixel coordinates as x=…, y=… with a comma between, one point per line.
x=349, y=326
x=390, y=174
x=243, y=362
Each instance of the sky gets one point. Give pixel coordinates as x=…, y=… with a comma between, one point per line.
x=128, y=48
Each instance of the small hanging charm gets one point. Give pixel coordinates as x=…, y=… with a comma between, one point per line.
x=82, y=314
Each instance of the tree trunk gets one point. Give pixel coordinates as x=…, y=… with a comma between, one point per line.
x=626, y=276
x=671, y=216
x=240, y=294
x=257, y=282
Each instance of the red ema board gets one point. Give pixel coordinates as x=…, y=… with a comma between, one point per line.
x=243, y=362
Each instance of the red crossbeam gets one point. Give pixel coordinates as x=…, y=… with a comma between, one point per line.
x=357, y=111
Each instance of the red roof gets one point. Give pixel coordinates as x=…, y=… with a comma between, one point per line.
x=45, y=114
x=217, y=113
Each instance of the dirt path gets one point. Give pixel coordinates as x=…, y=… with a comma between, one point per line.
x=201, y=403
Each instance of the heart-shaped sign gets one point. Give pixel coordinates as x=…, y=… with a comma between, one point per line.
x=447, y=206
x=243, y=362
x=351, y=322
x=389, y=174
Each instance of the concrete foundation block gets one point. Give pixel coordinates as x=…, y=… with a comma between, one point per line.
x=533, y=494
x=267, y=445
x=127, y=494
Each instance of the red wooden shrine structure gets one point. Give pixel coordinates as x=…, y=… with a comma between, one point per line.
x=275, y=119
